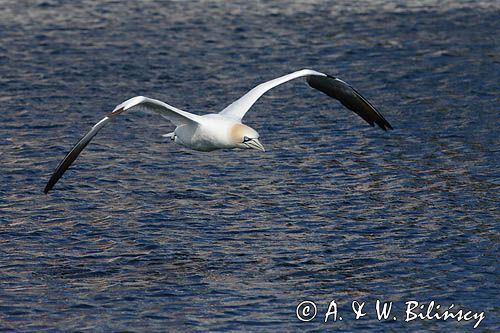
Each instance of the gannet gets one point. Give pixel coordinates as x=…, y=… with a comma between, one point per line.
x=225, y=130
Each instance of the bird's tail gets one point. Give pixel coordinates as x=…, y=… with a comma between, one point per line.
x=170, y=135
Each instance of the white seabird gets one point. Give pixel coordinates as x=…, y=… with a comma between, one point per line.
x=225, y=130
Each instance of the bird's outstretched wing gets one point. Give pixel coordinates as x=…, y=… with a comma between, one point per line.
x=327, y=84
x=176, y=116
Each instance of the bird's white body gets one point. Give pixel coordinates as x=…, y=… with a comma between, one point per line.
x=213, y=132
x=224, y=130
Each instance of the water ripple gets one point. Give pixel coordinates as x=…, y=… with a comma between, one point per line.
x=141, y=235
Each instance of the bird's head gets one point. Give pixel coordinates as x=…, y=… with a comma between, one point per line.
x=245, y=137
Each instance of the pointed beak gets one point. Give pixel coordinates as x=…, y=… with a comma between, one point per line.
x=255, y=144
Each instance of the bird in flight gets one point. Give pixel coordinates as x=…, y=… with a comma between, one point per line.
x=225, y=130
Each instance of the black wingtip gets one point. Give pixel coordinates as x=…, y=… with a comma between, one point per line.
x=50, y=184
x=350, y=98
x=383, y=123
x=73, y=154
x=61, y=168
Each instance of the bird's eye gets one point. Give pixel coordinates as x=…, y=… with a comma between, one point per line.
x=246, y=139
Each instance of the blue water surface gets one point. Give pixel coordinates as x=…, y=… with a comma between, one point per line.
x=142, y=235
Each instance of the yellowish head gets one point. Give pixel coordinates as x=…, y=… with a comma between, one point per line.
x=245, y=137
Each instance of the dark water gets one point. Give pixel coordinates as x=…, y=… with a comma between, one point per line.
x=144, y=235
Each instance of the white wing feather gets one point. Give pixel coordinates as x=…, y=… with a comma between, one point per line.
x=240, y=107
x=176, y=116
